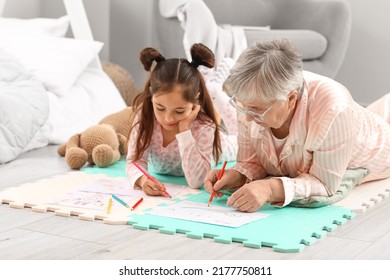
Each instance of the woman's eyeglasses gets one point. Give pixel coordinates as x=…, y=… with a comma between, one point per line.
x=256, y=116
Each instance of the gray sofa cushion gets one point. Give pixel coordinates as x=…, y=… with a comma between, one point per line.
x=311, y=44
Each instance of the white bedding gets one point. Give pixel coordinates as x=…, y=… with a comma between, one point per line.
x=93, y=97
x=24, y=107
x=79, y=94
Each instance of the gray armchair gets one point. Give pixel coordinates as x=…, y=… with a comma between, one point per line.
x=319, y=28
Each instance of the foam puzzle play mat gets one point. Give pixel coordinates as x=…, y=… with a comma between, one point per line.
x=88, y=195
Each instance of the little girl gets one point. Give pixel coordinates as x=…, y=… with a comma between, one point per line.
x=175, y=129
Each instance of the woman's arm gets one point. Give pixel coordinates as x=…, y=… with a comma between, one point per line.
x=330, y=161
x=331, y=156
x=254, y=195
x=248, y=163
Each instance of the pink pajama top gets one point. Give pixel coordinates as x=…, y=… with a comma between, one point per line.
x=329, y=133
x=188, y=155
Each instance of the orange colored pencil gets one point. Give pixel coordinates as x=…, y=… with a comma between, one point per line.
x=219, y=177
x=150, y=177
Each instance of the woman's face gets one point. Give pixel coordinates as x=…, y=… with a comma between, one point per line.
x=272, y=115
x=170, y=108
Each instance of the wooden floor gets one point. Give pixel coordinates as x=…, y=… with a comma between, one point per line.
x=28, y=235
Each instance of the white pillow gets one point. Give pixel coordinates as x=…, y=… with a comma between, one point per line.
x=92, y=97
x=41, y=26
x=56, y=62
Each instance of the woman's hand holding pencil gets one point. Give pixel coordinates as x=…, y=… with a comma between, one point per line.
x=216, y=180
x=213, y=192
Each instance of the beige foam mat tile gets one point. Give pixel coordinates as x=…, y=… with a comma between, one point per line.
x=366, y=195
x=35, y=196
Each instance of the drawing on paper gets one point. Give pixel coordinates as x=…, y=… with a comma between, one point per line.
x=199, y=212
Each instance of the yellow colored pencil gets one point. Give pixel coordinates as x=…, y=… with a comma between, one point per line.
x=109, y=205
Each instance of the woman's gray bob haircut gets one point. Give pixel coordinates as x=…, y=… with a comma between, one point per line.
x=266, y=71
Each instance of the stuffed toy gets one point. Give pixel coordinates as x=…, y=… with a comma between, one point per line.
x=122, y=80
x=101, y=144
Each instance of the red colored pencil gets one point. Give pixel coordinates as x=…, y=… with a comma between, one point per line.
x=219, y=177
x=150, y=177
x=137, y=203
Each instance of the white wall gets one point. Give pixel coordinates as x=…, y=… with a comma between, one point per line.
x=22, y=8
x=98, y=13
x=366, y=68
x=130, y=25
x=126, y=27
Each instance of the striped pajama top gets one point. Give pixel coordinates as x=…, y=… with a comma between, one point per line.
x=328, y=134
x=189, y=155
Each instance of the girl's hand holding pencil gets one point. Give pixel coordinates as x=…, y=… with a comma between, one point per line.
x=150, y=185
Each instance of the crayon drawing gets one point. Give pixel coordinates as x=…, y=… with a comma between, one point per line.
x=90, y=200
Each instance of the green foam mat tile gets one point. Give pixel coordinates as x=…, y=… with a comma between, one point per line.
x=287, y=229
x=118, y=169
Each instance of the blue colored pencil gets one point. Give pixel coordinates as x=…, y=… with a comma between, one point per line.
x=120, y=200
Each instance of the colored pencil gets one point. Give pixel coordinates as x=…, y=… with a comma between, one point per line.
x=150, y=177
x=109, y=205
x=137, y=203
x=120, y=200
x=219, y=177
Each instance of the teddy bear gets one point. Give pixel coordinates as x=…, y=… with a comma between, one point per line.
x=102, y=144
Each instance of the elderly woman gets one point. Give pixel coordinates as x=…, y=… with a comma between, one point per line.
x=298, y=132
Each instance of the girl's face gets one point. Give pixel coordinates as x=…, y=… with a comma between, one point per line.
x=170, y=108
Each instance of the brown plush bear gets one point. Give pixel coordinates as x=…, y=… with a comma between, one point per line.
x=101, y=144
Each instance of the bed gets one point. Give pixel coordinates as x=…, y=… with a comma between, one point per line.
x=51, y=86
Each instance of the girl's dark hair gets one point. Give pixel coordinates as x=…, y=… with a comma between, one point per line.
x=164, y=77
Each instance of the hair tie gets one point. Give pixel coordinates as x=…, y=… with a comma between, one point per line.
x=160, y=58
x=195, y=63
x=155, y=61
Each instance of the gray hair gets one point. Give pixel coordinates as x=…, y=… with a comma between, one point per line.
x=266, y=71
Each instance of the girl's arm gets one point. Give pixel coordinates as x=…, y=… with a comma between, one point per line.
x=133, y=172
x=196, y=148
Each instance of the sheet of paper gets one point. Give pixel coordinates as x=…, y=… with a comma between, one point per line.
x=193, y=211
x=96, y=194
x=89, y=200
x=120, y=186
